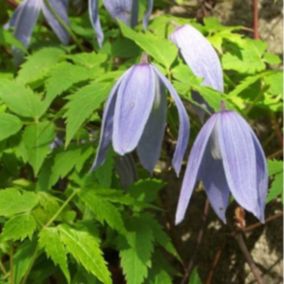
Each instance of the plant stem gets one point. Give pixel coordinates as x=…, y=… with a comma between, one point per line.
x=36, y=253
x=11, y=267
x=63, y=24
x=255, y=19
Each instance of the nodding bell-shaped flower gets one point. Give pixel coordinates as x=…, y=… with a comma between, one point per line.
x=124, y=10
x=201, y=58
x=135, y=117
x=228, y=158
x=27, y=13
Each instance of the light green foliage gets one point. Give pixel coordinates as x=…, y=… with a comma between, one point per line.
x=49, y=240
x=85, y=248
x=275, y=168
x=19, y=228
x=194, y=278
x=9, y=125
x=13, y=201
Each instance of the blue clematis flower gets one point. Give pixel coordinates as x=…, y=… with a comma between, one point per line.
x=135, y=117
x=201, y=58
x=228, y=158
x=124, y=10
x=27, y=13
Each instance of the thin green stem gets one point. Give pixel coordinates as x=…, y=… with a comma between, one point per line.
x=63, y=24
x=11, y=281
x=51, y=220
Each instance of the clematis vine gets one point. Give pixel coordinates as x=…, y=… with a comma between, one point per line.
x=135, y=117
x=229, y=160
x=27, y=13
x=124, y=10
x=201, y=58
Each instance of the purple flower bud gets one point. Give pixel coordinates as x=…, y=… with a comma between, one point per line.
x=135, y=117
x=124, y=10
x=228, y=158
x=26, y=15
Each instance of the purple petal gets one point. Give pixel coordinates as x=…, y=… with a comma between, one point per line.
x=262, y=176
x=120, y=9
x=214, y=180
x=95, y=20
x=134, y=13
x=193, y=166
x=150, y=144
x=135, y=100
x=199, y=55
x=148, y=13
x=59, y=7
x=126, y=170
x=107, y=125
x=183, y=134
x=239, y=159
x=26, y=18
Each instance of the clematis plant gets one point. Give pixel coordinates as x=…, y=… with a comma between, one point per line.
x=228, y=158
x=27, y=13
x=201, y=58
x=135, y=117
x=124, y=10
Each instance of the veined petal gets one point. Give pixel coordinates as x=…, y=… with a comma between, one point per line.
x=148, y=13
x=199, y=55
x=262, y=176
x=107, y=125
x=120, y=9
x=239, y=159
x=25, y=20
x=95, y=20
x=135, y=100
x=150, y=144
x=183, y=133
x=59, y=7
x=126, y=170
x=214, y=180
x=134, y=13
x=193, y=167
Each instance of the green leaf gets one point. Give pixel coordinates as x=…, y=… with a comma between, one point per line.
x=35, y=144
x=38, y=64
x=23, y=258
x=49, y=240
x=85, y=248
x=160, y=49
x=62, y=77
x=103, y=209
x=89, y=99
x=274, y=80
x=14, y=201
x=194, y=278
x=20, y=99
x=136, y=254
x=64, y=162
x=19, y=228
x=275, y=168
x=9, y=125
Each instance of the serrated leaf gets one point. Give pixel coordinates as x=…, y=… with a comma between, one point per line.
x=275, y=168
x=35, y=144
x=160, y=49
x=19, y=228
x=62, y=77
x=88, y=99
x=274, y=80
x=136, y=254
x=88, y=59
x=85, y=248
x=64, y=162
x=22, y=260
x=103, y=209
x=9, y=125
x=38, y=64
x=14, y=201
x=49, y=240
x=20, y=99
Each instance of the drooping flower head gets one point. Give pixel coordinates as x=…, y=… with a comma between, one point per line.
x=135, y=117
x=124, y=10
x=201, y=58
x=228, y=158
x=27, y=13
